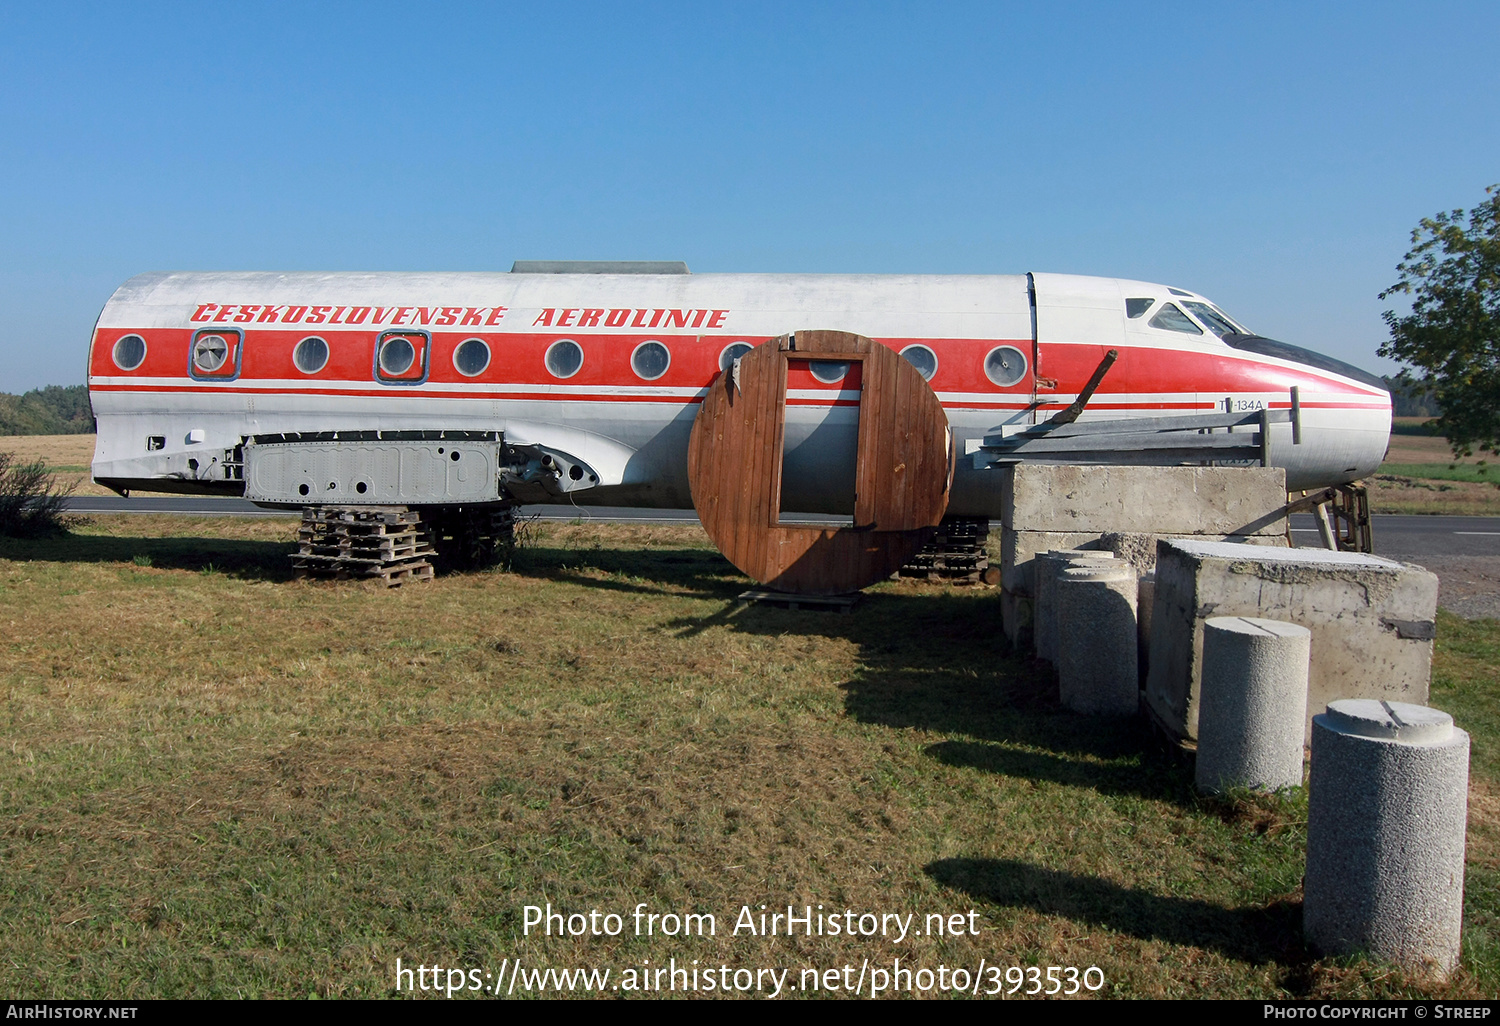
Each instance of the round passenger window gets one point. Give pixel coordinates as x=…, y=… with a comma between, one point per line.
x=564, y=358
x=130, y=352
x=311, y=355
x=923, y=359
x=650, y=360
x=733, y=352
x=1005, y=366
x=829, y=371
x=396, y=356
x=471, y=357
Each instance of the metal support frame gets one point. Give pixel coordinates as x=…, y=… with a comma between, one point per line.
x=1150, y=441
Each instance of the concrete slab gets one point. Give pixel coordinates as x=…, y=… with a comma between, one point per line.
x=1152, y=500
x=1139, y=549
x=1371, y=621
x=1019, y=549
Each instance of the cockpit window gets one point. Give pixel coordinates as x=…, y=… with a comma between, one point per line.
x=1173, y=319
x=1237, y=325
x=1215, y=321
x=1135, y=307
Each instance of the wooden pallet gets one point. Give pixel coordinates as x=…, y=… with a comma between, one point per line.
x=788, y=600
x=911, y=573
x=956, y=554
x=476, y=536
x=371, y=558
x=374, y=532
x=392, y=575
x=389, y=544
x=962, y=562
x=370, y=515
x=406, y=546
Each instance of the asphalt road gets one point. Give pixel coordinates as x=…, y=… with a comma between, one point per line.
x=1394, y=535
x=1402, y=536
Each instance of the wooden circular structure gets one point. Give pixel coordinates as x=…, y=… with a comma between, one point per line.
x=903, y=470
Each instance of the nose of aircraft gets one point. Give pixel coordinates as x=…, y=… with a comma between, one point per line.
x=1286, y=351
x=1340, y=444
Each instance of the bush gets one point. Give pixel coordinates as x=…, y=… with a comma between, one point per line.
x=31, y=504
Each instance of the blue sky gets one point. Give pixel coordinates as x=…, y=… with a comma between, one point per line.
x=1273, y=157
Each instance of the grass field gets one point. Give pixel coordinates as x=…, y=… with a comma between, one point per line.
x=1393, y=493
x=218, y=781
x=67, y=456
x=1420, y=475
x=1477, y=473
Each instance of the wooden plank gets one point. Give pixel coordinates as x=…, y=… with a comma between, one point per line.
x=902, y=474
x=794, y=601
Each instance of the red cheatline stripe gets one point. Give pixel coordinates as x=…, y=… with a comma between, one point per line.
x=999, y=402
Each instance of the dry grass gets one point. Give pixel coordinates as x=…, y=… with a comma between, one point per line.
x=68, y=456
x=1409, y=445
x=1392, y=493
x=220, y=782
x=1406, y=491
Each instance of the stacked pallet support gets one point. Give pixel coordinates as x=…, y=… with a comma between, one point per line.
x=473, y=536
x=956, y=553
x=383, y=543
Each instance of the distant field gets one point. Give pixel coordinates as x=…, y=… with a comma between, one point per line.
x=1424, y=448
x=1390, y=493
x=221, y=782
x=68, y=456
x=1411, y=426
x=1420, y=475
x=1488, y=473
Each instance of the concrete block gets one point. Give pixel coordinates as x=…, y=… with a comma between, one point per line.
x=1019, y=548
x=1254, y=704
x=1017, y=618
x=1018, y=551
x=1048, y=567
x=1371, y=621
x=1096, y=634
x=1144, y=602
x=1139, y=549
x=1387, y=811
x=1154, y=500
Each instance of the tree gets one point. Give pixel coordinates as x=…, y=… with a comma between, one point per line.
x=1450, y=341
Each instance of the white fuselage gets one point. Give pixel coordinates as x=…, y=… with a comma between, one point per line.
x=167, y=422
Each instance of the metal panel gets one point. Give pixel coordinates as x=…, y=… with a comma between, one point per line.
x=373, y=473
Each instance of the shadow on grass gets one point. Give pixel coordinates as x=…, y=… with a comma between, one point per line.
x=935, y=659
x=701, y=572
x=1272, y=933
x=1135, y=769
x=247, y=560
